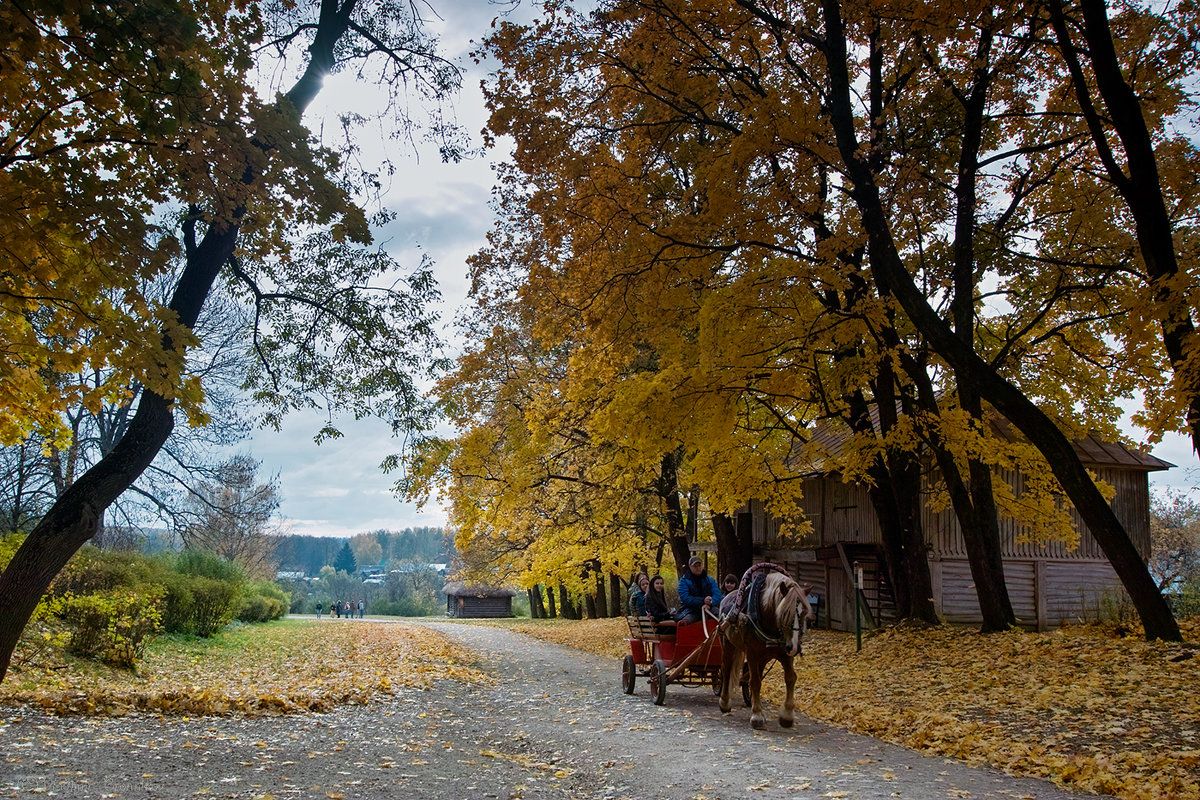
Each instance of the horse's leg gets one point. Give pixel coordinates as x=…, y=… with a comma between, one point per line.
x=789, y=704
x=731, y=676
x=757, y=662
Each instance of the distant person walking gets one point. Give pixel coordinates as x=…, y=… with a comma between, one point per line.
x=361, y=608
x=318, y=609
x=337, y=608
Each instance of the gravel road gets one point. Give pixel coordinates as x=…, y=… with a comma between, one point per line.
x=554, y=725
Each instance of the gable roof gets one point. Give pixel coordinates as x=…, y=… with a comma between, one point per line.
x=1092, y=450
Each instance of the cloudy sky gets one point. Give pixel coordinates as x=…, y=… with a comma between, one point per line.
x=337, y=489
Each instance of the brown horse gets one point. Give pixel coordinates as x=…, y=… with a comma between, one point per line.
x=771, y=630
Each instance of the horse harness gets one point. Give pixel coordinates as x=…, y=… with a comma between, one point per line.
x=749, y=606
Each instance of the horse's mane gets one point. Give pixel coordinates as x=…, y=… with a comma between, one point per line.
x=780, y=600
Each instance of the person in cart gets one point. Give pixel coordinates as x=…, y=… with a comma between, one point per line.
x=656, y=602
x=637, y=597
x=698, y=593
x=729, y=587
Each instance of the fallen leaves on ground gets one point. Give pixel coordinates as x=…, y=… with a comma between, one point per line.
x=280, y=668
x=1078, y=706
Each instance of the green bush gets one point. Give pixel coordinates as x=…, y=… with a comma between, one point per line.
x=1186, y=601
x=95, y=571
x=263, y=601
x=214, y=603
x=404, y=607
x=202, y=563
x=114, y=626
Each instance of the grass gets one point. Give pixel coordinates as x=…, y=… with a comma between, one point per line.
x=276, y=667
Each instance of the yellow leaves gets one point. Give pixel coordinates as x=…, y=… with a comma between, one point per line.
x=279, y=668
x=1096, y=713
x=527, y=761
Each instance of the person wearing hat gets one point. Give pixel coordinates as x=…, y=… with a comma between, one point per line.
x=697, y=592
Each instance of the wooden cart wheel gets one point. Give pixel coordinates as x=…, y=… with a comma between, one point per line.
x=746, y=685
x=716, y=681
x=628, y=674
x=658, y=682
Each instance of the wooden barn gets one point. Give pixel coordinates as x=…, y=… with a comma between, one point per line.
x=477, y=601
x=1049, y=584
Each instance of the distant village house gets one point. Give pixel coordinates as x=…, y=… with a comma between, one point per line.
x=465, y=601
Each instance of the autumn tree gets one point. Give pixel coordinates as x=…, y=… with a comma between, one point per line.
x=233, y=516
x=730, y=168
x=1129, y=72
x=48, y=467
x=834, y=43
x=367, y=549
x=135, y=138
x=1175, y=542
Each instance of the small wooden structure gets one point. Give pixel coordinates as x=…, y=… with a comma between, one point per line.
x=1048, y=583
x=477, y=601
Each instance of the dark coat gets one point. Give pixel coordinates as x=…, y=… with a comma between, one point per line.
x=656, y=606
x=694, y=588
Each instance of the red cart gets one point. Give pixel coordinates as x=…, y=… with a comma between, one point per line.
x=688, y=655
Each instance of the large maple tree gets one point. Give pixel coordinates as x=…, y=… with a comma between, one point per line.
x=794, y=208
x=146, y=139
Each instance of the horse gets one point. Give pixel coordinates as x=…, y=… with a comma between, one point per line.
x=767, y=624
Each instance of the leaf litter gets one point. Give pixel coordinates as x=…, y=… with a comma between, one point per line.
x=1079, y=706
x=282, y=668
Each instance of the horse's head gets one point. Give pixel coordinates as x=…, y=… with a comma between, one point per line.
x=785, y=608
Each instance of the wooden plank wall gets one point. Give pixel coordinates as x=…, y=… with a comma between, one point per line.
x=1044, y=593
x=1131, y=503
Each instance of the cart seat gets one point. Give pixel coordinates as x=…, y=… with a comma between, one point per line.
x=647, y=630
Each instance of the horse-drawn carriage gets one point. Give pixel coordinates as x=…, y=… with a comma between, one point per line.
x=766, y=624
x=666, y=653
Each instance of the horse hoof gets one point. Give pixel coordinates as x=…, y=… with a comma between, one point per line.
x=757, y=723
x=785, y=723
x=726, y=709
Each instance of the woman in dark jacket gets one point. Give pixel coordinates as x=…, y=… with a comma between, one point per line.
x=656, y=600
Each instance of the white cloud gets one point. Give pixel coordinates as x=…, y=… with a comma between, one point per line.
x=329, y=492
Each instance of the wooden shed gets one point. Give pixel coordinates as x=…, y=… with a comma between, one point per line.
x=1049, y=584
x=463, y=600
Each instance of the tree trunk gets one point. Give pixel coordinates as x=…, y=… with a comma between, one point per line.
x=893, y=278
x=616, y=596
x=601, y=593
x=668, y=490
x=564, y=602
x=895, y=495
x=735, y=547
x=550, y=602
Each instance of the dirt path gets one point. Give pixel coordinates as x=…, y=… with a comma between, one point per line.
x=554, y=725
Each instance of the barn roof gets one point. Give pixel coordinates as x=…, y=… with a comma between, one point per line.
x=1093, y=451
x=455, y=589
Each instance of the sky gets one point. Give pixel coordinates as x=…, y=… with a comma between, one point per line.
x=337, y=488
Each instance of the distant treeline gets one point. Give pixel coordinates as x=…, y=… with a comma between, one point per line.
x=299, y=553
